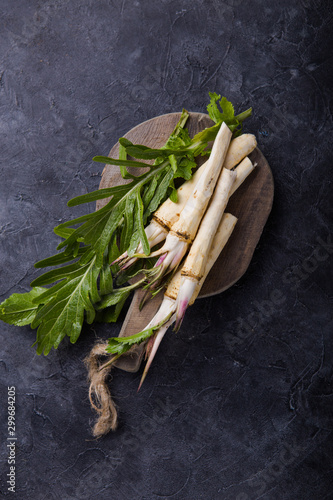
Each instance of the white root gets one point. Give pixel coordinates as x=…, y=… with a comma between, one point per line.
x=195, y=262
x=221, y=237
x=168, y=213
x=242, y=171
x=155, y=234
x=223, y=233
x=174, y=250
x=169, y=304
x=189, y=286
x=157, y=340
x=184, y=230
x=239, y=148
x=191, y=215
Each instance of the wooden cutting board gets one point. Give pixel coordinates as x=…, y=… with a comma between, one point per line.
x=251, y=203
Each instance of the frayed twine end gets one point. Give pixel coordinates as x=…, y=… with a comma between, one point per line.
x=99, y=393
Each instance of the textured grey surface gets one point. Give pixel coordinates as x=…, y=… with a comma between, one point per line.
x=238, y=405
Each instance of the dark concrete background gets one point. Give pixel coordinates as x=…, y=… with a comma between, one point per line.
x=238, y=405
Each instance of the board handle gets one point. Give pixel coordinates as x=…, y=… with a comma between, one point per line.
x=134, y=322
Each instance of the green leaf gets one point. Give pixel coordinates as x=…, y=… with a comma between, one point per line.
x=173, y=163
x=201, y=139
x=212, y=108
x=63, y=314
x=145, y=153
x=179, y=130
x=120, y=345
x=49, y=293
x=237, y=128
x=133, y=244
x=179, y=142
x=98, y=227
x=126, y=275
x=111, y=299
x=160, y=193
x=123, y=170
x=113, y=253
x=111, y=314
x=228, y=112
x=58, y=259
x=179, y=137
x=19, y=309
x=121, y=163
x=117, y=295
x=173, y=195
x=226, y=115
x=100, y=194
x=150, y=191
x=128, y=225
x=139, y=224
x=63, y=232
x=84, y=218
x=184, y=169
x=235, y=123
x=105, y=278
x=57, y=274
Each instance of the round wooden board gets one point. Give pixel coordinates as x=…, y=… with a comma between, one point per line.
x=251, y=203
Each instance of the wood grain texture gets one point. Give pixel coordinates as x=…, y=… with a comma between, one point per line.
x=251, y=203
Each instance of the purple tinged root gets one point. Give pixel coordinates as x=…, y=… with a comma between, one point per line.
x=181, y=310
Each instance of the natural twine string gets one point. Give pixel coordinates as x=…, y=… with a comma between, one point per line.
x=99, y=393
